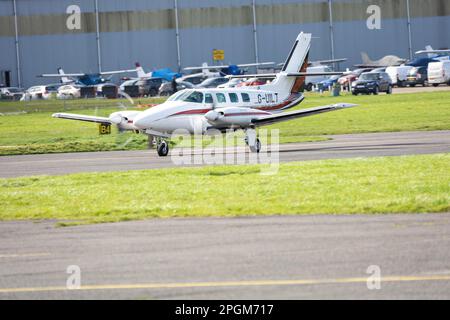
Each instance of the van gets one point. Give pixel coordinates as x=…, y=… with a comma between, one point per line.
x=399, y=75
x=439, y=72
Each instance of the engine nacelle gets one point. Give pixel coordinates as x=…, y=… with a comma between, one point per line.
x=124, y=119
x=234, y=116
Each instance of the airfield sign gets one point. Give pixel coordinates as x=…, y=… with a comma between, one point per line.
x=218, y=55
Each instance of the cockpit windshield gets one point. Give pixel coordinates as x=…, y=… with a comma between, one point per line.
x=188, y=96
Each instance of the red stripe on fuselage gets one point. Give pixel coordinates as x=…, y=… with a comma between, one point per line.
x=193, y=111
x=292, y=98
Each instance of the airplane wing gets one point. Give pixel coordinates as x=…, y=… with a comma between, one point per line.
x=434, y=51
x=370, y=66
x=204, y=68
x=208, y=67
x=57, y=75
x=284, y=116
x=116, y=72
x=81, y=117
x=328, y=61
x=294, y=74
x=255, y=64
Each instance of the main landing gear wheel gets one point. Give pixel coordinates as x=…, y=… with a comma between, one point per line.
x=251, y=139
x=163, y=148
x=257, y=147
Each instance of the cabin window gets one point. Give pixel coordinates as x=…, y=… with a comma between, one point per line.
x=245, y=97
x=208, y=98
x=221, y=98
x=233, y=97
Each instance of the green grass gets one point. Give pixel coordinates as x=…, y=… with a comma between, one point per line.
x=37, y=132
x=407, y=184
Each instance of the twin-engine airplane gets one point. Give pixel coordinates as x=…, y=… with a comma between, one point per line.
x=206, y=111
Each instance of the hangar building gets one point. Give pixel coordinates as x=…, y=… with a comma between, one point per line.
x=38, y=36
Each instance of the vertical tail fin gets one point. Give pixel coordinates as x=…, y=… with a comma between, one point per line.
x=297, y=61
x=140, y=71
x=365, y=58
x=299, y=53
x=430, y=48
x=64, y=79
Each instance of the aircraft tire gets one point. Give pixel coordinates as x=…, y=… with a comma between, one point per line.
x=163, y=149
x=257, y=147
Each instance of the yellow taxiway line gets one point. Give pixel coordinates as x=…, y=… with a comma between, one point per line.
x=219, y=284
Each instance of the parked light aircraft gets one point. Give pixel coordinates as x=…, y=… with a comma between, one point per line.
x=386, y=61
x=441, y=54
x=206, y=71
x=208, y=111
x=84, y=79
x=165, y=73
x=232, y=69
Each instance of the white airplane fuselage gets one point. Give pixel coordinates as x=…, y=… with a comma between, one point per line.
x=230, y=108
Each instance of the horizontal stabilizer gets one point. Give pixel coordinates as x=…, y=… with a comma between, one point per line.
x=442, y=51
x=58, y=75
x=290, y=74
x=279, y=117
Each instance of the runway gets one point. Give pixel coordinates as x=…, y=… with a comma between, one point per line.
x=341, y=146
x=280, y=257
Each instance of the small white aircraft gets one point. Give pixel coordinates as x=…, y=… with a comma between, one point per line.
x=206, y=111
x=86, y=79
x=441, y=54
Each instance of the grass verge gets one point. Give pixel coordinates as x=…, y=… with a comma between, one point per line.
x=407, y=184
x=40, y=133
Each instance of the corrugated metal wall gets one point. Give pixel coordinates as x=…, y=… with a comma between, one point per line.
x=144, y=31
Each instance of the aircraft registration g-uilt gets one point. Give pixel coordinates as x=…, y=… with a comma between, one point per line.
x=202, y=111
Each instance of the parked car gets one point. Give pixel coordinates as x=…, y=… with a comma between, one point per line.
x=166, y=88
x=127, y=83
x=11, y=93
x=327, y=83
x=417, y=76
x=233, y=82
x=383, y=69
x=312, y=81
x=69, y=92
x=251, y=82
x=212, y=82
x=439, y=73
x=149, y=87
x=40, y=92
x=347, y=79
x=372, y=82
x=108, y=90
x=194, y=78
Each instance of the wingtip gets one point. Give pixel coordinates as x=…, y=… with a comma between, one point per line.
x=345, y=105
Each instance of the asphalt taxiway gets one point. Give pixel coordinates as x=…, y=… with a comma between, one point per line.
x=341, y=146
x=279, y=257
